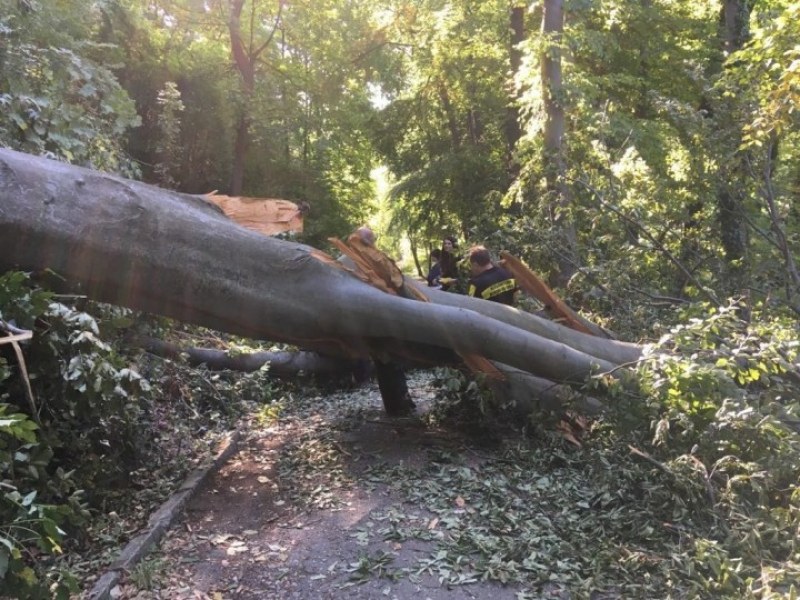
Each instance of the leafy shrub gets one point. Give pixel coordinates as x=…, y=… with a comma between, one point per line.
x=461, y=401
x=36, y=499
x=58, y=100
x=723, y=402
x=89, y=428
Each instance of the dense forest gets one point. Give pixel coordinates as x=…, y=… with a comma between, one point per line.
x=643, y=156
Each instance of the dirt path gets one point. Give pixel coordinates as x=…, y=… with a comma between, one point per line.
x=317, y=505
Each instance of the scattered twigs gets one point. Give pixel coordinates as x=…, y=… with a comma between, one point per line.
x=712, y=497
x=645, y=456
x=780, y=241
x=701, y=469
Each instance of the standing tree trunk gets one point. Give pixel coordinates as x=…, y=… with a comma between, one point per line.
x=513, y=130
x=245, y=57
x=732, y=176
x=452, y=121
x=246, y=67
x=552, y=90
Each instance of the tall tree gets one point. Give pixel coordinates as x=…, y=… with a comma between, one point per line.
x=767, y=67
x=732, y=174
x=560, y=201
x=247, y=52
x=444, y=136
x=513, y=129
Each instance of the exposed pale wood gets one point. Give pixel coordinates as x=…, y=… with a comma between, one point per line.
x=530, y=283
x=269, y=216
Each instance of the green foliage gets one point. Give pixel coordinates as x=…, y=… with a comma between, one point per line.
x=769, y=64
x=147, y=573
x=169, y=122
x=97, y=409
x=722, y=398
x=36, y=499
x=657, y=116
x=467, y=402
x=58, y=98
x=710, y=509
x=90, y=409
x=97, y=427
x=463, y=401
x=442, y=136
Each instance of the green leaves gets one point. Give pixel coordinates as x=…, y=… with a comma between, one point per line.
x=17, y=425
x=60, y=101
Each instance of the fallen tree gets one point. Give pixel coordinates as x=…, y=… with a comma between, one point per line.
x=135, y=245
x=283, y=364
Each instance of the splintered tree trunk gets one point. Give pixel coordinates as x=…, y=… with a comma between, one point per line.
x=135, y=245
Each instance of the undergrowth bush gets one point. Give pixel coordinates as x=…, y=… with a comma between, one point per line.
x=722, y=401
x=712, y=414
x=98, y=440
x=38, y=497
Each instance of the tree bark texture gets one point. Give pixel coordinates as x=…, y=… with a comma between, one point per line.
x=732, y=174
x=513, y=130
x=282, y=364
x=554, y=127
x=135, y=245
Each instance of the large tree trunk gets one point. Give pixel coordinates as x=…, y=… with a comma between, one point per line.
x=733, y=171
x=282, y=364
x=173, y=254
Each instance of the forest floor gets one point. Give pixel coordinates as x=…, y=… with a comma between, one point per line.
x=331, y=499
x=304, y=510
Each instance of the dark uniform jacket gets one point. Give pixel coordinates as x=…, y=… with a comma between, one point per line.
x=448, y=265
x=434, y=275
x=496, y=285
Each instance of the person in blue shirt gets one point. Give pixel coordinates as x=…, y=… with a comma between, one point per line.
x=435, y=272
x=489, y=281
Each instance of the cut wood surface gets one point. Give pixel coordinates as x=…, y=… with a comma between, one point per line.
x=269, y=216
x=135, y=245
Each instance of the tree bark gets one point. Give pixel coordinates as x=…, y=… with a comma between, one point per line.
x=732, y=174
x=245, y=57
x=135, y=245
x=554, y=127
x=283, y=364
x=245, y=65
x=513, y=130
